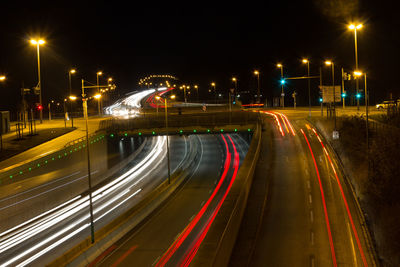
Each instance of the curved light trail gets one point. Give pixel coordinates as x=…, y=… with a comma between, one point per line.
x=75, y=212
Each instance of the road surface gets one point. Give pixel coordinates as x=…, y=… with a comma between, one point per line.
x=309, y=217
x=172, y=235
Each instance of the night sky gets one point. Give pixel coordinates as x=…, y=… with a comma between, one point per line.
x=198, y=42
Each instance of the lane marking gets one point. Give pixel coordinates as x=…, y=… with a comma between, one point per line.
x=310, y=198
x=102, y=256
x=126, y=254
x=312, y=238
x=323, y=202
x=345, y=203
x=311, y=216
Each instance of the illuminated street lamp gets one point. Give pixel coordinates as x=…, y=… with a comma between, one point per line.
x=70, y=72
x=358, y=73
x=257, y=73
x=215, y=91
x=99, y=73
x=2, y=78
x=166, y=126
x=354, y=28
x=306, y=61
x=279, y=65
x=39, y=85
x=330, y=63
x=197, y=92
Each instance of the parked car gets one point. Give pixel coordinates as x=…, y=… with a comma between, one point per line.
x=386, y=104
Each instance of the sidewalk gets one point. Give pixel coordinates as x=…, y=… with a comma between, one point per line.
x=52, y=136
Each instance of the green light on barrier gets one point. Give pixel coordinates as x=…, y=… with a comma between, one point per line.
x=208, y=130
x=154, y=132
x=59, y=156
x=65, y=154
x=45, y=161
x=30, y=169
x=11, y=176
x=20, y=172
x=52, y=158
x=194, y=131
x=180, y=131
x=38, y=165
x=70, y=151
x=249, y=130
x=235, y=130
x=222, y=130
x=140, y=133
x=112, y=135
x=126, y=134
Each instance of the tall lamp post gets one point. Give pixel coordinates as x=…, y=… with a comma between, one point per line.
x=197, y=92
x=72, y=98
x=99, y=73
x=354, y=28
x=39, y=86
x=306, y=61
x=85, y=114
x=166, y=126
x=215, y=91
x=234, y=80
x=359, y=74
x=279, y=65
x=70, y=72
x=2, y=79
x=257, y=73
x=330, y=63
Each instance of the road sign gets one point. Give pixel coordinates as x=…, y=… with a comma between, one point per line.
x=25, y=91
x=327, y=93
x=335, y=135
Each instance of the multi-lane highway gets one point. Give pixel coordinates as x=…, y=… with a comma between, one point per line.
x=51, y=231
x=174, y=233
x=309, y=216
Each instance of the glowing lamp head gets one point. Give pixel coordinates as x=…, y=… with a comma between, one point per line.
x=355, y=27
x=110, y=79
x=172, y=96
x=304, y=60
x=158, y=97
x=99, y=73
x=2, y=78
x=256, y=72
x=357, y=73
x=279, y=65
x=72, y=71
x=97, y=96
x=328, y=62
x=37, y=42
x=234, y=79
x=212, y=84
x=72, y=97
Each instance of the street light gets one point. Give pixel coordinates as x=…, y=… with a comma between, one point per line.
x=2, y=78
x=306, y=61
x=99, y=73
x=279, y=65
x=197, y=92
x=166, y=126
x=38, y=43
x=354, y=28
x=257, y=73
x=359, y=74
x=215, y=92
x=330, y=63
x=70, y=72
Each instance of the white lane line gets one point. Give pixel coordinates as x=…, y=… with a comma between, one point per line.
x=312, y=238
x=308, y=184
x=310, y=198
x=311, y=216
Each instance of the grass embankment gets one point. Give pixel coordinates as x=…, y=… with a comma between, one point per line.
x=375, y=176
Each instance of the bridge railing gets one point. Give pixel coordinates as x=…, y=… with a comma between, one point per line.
x=205, y=119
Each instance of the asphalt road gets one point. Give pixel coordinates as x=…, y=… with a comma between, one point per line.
x=64, y=221
x=172, y=235
x=310, y=217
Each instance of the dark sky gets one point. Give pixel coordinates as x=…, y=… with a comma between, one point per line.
x=198, y=42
